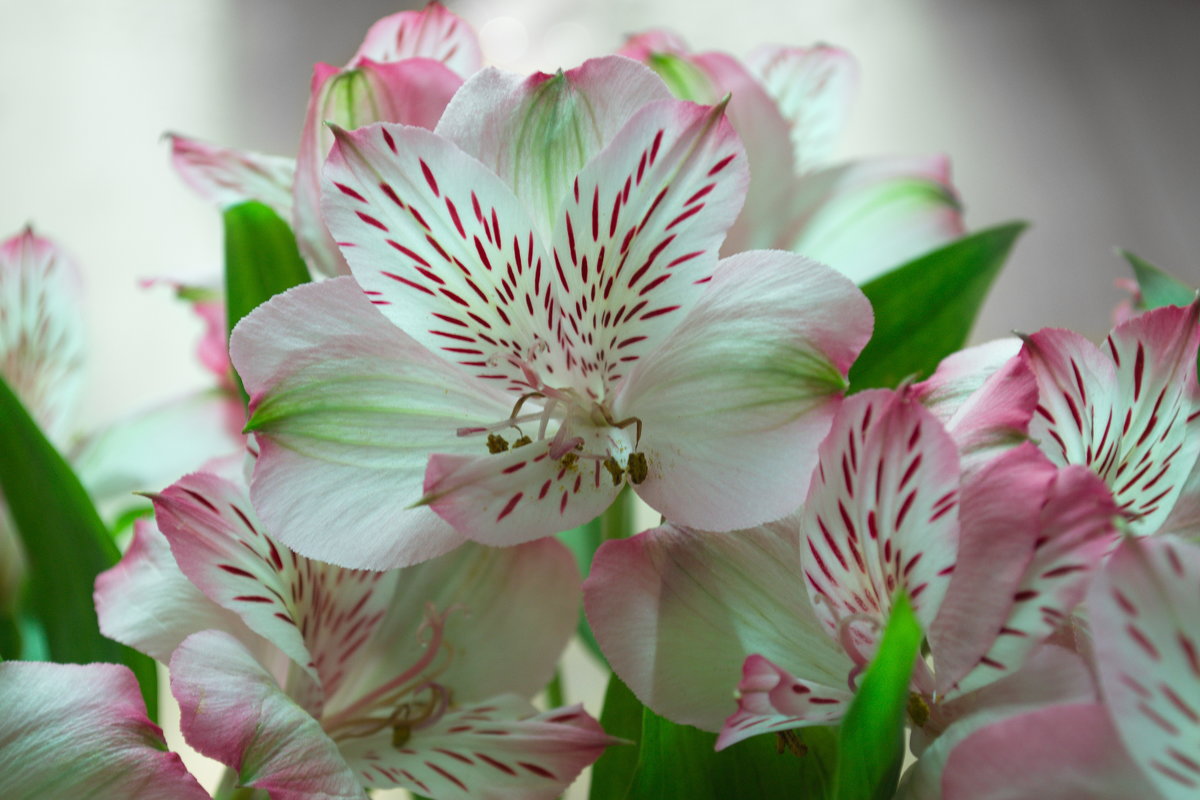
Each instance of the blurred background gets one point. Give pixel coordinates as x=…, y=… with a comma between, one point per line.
x=1081, y=116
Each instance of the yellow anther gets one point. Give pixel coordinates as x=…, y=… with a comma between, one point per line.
x=790, y=741
x=614, y=469
x=496, y=443
x=400, y=735
x=569, y=460
x=524, y=440
x=918, y=709
x=636, y=465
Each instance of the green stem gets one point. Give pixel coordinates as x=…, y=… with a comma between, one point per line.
x=556, y=695
x=228, y=789
x=617, y=521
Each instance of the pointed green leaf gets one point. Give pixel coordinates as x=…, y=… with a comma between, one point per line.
x=1158, y=287
x=66, y=545
x=621, y=716
x=924, y=309
x=871, y=742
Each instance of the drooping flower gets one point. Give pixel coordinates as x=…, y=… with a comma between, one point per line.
x=1129, y=411
x=406, y=70
x=1011, y=544
x=555, y=323
x=789, y=104
x=71, y=730
x=1141, y=741
x=313, y=680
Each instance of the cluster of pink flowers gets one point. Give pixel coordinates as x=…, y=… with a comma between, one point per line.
x=537, y=295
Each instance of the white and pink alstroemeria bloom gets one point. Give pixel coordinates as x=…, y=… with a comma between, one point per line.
x=1143, y=740
x=550, y=322
x=406, y=70
x=1129, y=410
x=72, y=730
x=887, y=510
x=789, y=104
x=312, y=680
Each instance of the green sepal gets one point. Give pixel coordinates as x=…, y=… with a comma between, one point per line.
x=66, y=546
x=871, y=742
x=924, y=309
x=1157, y=286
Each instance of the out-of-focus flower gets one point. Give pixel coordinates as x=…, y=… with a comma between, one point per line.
x=71, y=730
x=1141, y=741
x=313, y=680
x=789, y=104
x=992, y=562
x=406, y=70
x=555, y=323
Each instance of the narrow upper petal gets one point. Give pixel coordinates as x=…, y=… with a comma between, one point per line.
x=639, y=232
x=882, y=514
x=1144, y=609
x=41, y=331
x=434, y=32
x=1131, y=413
x=499, y=749
x=71, y=730
x=232, y=709
x=678, y=611
x=866, y=217
x=225, y=176
x=414, y=91
x=347, y=410
x=813, y=87
x=736, y=399
x=318, y=614
x=537, y=132
x=444, y=249
x=772, y=700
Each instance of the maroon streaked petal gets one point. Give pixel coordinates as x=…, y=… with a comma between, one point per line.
x=431, y=33
x=1145, y=610
x=771, y=700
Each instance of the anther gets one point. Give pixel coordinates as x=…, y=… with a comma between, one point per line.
x=918, y=709
x=636, y=465
x=496, y=443
x=790, y=741
x=569, y=460
x=614, y=469
x=524, y=440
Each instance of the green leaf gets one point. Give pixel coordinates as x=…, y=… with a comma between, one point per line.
x=261, y=260
x=66, y=546
x=924, y=309
x=1158, y=287
x=871, y=744
x=621, y=716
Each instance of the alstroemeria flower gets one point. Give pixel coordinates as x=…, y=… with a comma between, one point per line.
x=71, y=730
x=1129, y=410
x=888, y=509
x=312, y=680
x=1143, y=740
x=789, y=104
x=406, y=70
x=551, y=322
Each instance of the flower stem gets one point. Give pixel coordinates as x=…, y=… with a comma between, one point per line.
x=618, y=521
x=555, y=693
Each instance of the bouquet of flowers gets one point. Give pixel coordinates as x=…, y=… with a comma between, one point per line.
x=613, y=353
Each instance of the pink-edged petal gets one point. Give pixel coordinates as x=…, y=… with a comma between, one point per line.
x=1144, y=608
x=500, y=749
x=813, y=87
x=347, y=410
x=771, y=700
x=1130, y=411
x=1184, y=519
x=882, y=514
x=1060, y=752
x=128, y=456
x=869, y=216
x=516, y=496
x=538, y=132
x=233, y=710
x=443, y=248
x=1032, y=537
x=639, y=234
x=736, y=399
x=412, y=92
x=985, y=396
x=318, y=614
x=41, y=331
x=677, y=612
x=72, y=730
x=225, y=176
x=494, y=597
x=146, y=602
x=433, y=33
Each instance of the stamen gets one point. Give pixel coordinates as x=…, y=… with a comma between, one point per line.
x=614, y=469
x=524, y=440
x=496, y=443
x=637, y=467
x=918, y=709
x=790, y=741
